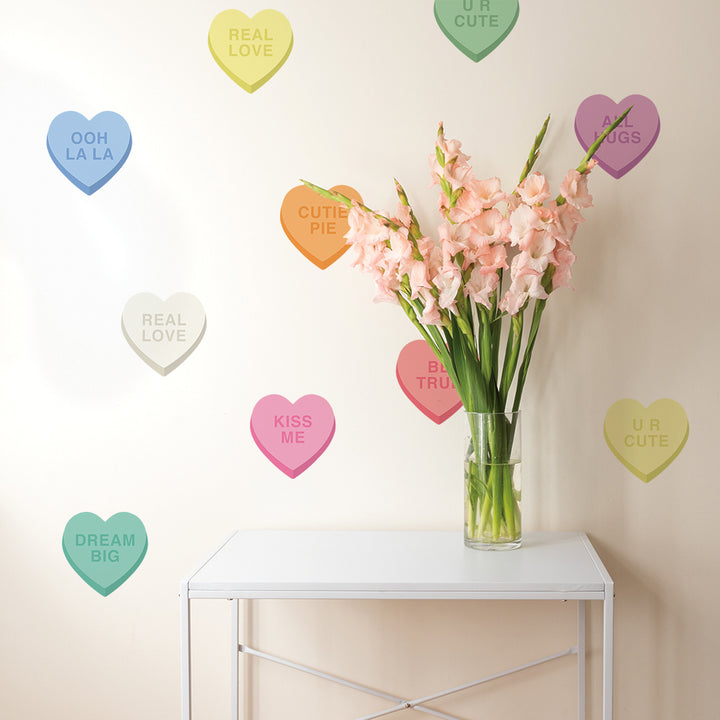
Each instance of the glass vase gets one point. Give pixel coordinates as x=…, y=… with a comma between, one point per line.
x=493, y=481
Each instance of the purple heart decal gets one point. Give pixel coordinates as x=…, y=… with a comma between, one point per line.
x=630, y=142
x=292, y=436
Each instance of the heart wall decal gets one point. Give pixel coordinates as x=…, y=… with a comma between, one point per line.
x=627, y=145
x=89, y=152
x=292, y=435
x=250, y=50
x=104, y=553
x=163, y=334
x=646, y=440
x=476, y=27
x=426, y=383
x=315, y=225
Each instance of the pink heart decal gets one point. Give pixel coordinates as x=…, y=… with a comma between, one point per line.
x=630, y=142
x=426, y=382
x=292, y=436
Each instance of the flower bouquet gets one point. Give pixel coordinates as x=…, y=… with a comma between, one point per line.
x=470, y=295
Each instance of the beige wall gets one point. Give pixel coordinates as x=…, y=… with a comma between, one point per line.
x=86, y=426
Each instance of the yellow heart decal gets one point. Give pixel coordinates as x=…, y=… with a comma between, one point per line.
x=250, y=50
x=646, y=440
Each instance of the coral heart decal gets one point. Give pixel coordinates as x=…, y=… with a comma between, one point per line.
x=315, y=225
x=425, y=381
x=250, y=50
x=292, y=435
x=476, y=27
x=163, y=334
x=89, y=152
x=630, y=142
x=646, y=440
x=104, y=553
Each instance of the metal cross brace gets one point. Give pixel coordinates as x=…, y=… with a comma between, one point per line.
x=418, y=704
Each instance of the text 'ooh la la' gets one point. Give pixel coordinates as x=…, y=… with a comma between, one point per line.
x=92, y=139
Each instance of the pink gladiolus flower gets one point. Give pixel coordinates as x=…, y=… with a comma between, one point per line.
x=431, y=315
x=492, y=258
x=566, y=221
x=367, y=257
x=400, y=251
x=363, y=225
x=513, y=203
x=534, y=189
x=425, y=245
x=526, y=283
x=537, y=248
x=402, y=215
x=478, y=195
x=574, y=189
x=458, y=174
x=385, y=293
x=450, y=148
x=468, y=206
x=419, y=278
x=489, y=191
x=455, y=161
x=491, y=226
x=520, y=291
x=481, y=285
x=448, y=282
x=523, y=221
x=563, y=260
x=453, y=238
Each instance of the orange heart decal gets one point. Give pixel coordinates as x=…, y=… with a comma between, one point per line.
x=315, y=225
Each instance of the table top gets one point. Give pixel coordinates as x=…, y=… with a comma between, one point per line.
x=397, y=565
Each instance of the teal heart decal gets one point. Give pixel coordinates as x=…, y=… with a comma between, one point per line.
x=476, y=27
x=104, y=553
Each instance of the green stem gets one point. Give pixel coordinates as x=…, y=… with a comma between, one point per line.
x=339, y=197
x=534, y=151
x=512, y=353
x=532, y=336
x=582, y=167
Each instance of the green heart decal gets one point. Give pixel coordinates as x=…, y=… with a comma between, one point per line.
x=476, y=27
x=646, y=440
x=104, y=553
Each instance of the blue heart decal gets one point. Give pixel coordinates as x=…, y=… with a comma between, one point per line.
x=89, y=152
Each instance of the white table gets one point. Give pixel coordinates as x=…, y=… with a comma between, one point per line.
x=326, y=565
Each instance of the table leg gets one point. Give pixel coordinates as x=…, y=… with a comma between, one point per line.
x=185, y=688
x=581, y=658
x=608, y=650
x=234, y=660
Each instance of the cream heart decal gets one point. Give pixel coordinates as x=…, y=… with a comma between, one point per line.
x=646, y=440
x=250, y=50
x=163, y=334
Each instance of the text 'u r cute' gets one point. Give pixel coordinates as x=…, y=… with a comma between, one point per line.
x=476, y=27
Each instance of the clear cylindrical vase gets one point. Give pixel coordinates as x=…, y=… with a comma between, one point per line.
x=493, y=474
